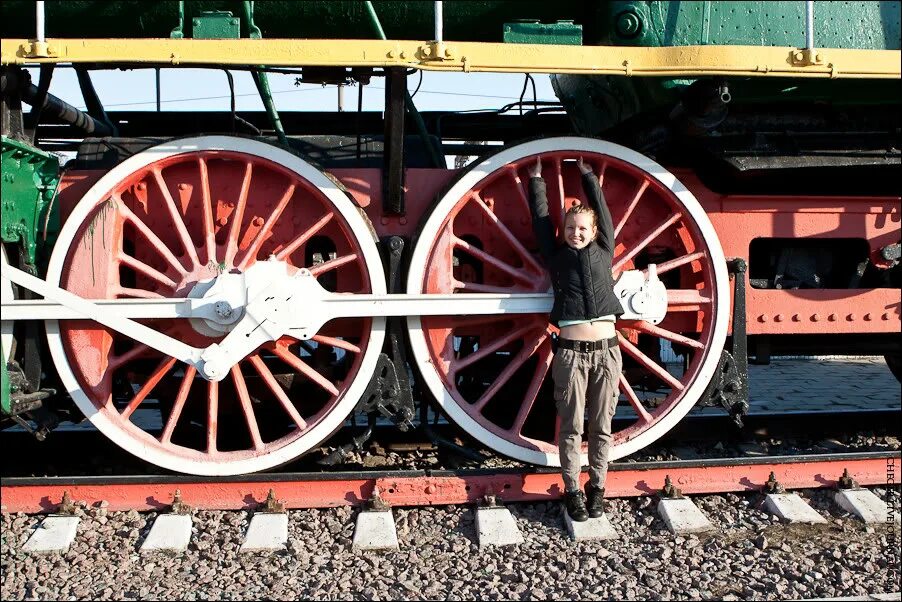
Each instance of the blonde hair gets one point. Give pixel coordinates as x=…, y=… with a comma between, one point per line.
x=578, y=209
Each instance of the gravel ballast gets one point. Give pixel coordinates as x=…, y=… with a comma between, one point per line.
x=751, y=556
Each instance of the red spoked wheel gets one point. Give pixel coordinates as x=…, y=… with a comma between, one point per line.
x=165, y=224
x=490, y=373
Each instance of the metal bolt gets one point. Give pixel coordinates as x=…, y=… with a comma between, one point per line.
x=183, y=186
x=832, y=317
x=628, y=24
x=222, y=309
x=272, y=505
x=376, y=503
x=67, y=506
x=886, y=316
x=867, y=317
x=778, y=318
x=796, y=318
x=430, y=489
x=846, y=481
x=850, y=317
x=669, y=490
x=816, y=318
x=258, y=221
x=762, y=318
x=773, y=485
x=178, y=506
x=799, y=56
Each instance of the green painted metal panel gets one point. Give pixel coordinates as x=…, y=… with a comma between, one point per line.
x=29, y=178
x=216, y=25
x=475, y=20
x=533, y=32
x=868, y=25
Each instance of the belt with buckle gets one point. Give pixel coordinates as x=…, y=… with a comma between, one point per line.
x=587, y=346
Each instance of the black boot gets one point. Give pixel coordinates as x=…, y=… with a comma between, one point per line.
x=595, y=500
x=576, y=506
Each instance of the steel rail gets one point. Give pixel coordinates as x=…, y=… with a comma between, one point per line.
x=674, y=61
x=424, y=488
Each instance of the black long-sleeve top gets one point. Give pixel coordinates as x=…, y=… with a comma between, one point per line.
x=581, y=278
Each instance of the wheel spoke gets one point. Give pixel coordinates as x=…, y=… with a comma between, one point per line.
x=481, y=255
x=687, y=300
x=301, y=366
x=518, y=185
x=238, y=215
x=629, y=209
x=247, y=408
x=209, y=224
x=559, y=178
x=483, y=288
x=509, y=370
x=156, y=244
x=649, y=364
x=138, y=293
x=332, y=264
x=304, y=237
x=634, y=400
x=619, y=263
x=212, y=415
x=143, y=268
x=261, y=236
x=334, y=342
x=274, y=386
x=649, y=328
x=508, y=235
x=128, y=356
x=179, y=404
x=458, y=365
x=672, y=264
x=532, y=392
x=177, y=219
x=154, y=379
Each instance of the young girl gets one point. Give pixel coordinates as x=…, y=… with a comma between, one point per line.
x=587, y=364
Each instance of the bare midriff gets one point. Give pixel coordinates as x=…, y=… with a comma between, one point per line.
x=592, y=331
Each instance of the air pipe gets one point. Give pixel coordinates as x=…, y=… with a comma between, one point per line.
x=438, y=22
x=809, y=24
x=39, y=20
x=437, y=159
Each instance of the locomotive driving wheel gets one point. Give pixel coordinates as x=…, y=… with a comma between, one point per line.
x=176, y=221
x=490, y=373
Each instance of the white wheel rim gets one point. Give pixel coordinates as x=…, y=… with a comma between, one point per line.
x=352, y=394
x=430, y=231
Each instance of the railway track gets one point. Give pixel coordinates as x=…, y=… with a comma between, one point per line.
x=438, y=487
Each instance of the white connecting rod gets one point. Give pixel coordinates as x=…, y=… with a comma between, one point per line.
x=108, y=316
x=274, y=303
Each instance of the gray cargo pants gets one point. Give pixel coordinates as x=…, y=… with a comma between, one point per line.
x=586, y=388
